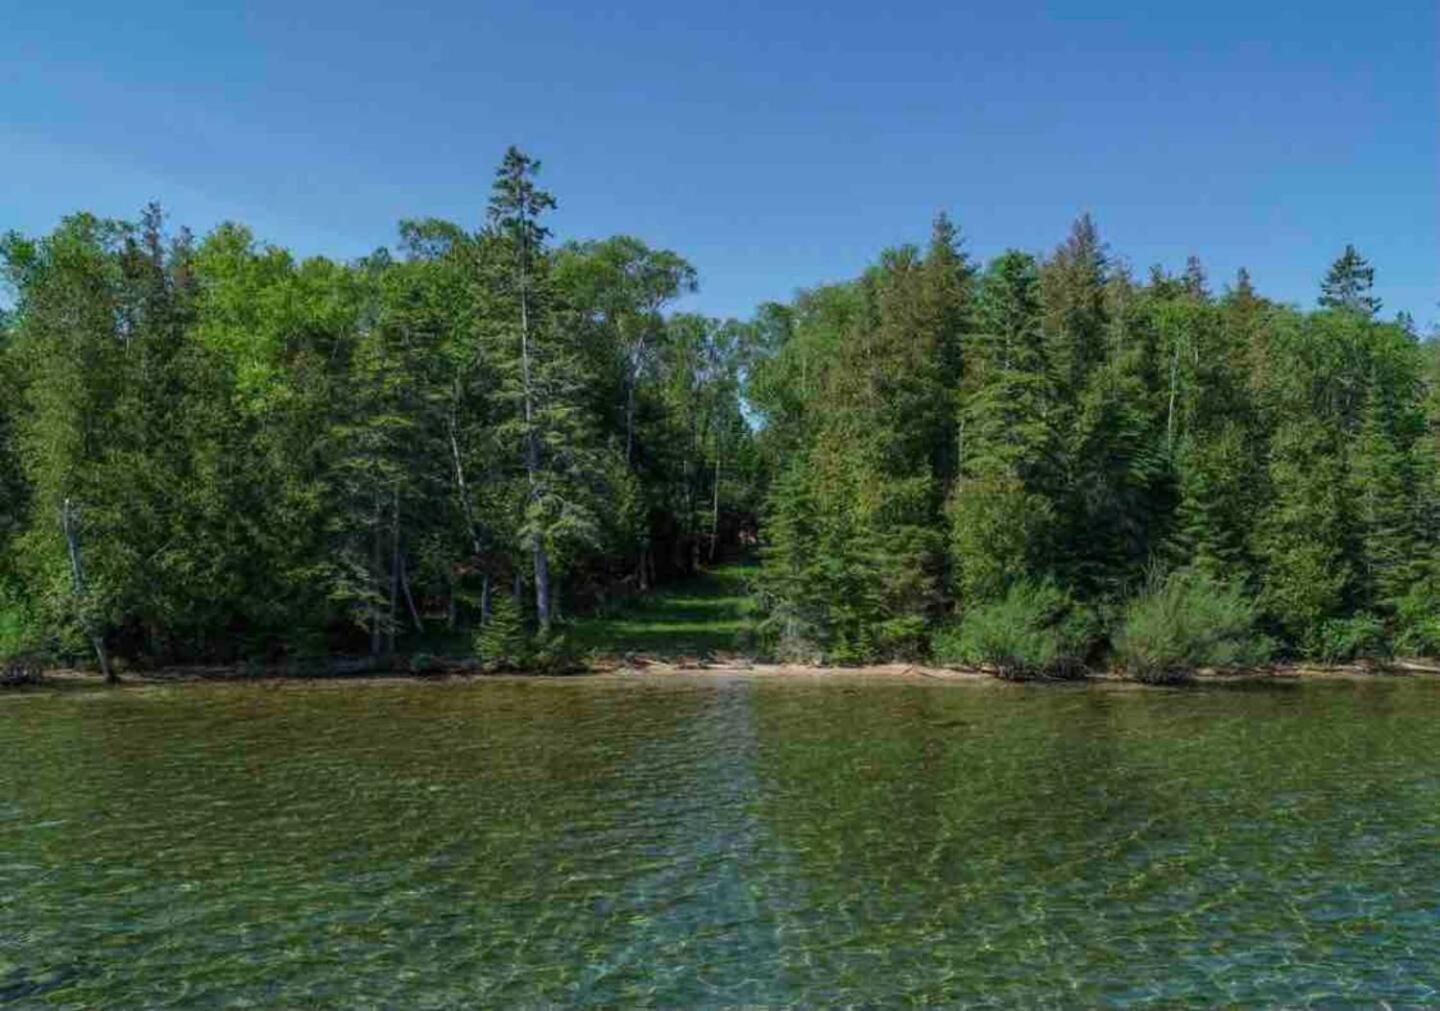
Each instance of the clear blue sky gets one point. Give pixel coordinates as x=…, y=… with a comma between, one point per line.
x=775, y=145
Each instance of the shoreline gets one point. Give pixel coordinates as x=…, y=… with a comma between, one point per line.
x=658, y=671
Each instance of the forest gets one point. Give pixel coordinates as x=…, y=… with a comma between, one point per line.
x=213, y=450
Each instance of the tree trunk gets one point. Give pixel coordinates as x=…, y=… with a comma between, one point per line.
x=542, y=581
x=77, y=573
x=409, y=598
x=715, y=512
x=532, y=453
x=630, y=418
x=394, y=568
x=375, y=562
x=462, y=487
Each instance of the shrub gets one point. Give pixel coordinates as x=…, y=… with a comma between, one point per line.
x=1341, y=640
x=1184, y=622
x=555, y=653
x=1417, y=623
x=785, y=632
x=19, y=658
x=15, y=627
x=849, y=649
x=901, y=638
x=502, y=643
x=1035, y=630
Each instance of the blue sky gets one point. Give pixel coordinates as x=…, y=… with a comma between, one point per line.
x=775, y=145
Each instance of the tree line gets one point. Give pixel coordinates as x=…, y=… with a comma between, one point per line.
x=209, y=448
x=1044, y=463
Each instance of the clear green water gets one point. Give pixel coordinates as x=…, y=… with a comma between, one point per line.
x=720, y=842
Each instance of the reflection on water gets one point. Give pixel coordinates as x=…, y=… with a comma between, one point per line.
x=715, y=842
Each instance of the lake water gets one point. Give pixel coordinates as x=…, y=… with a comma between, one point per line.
x=720, y=841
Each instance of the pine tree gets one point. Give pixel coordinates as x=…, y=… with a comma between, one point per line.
x=868, y=472
x=543, y=377
x=1002, y=511
x=1347, y=285
x=1300, y=540
x=1193, y=281
x=1113, y=463
x=1385, y=494
x=502, y=642
x=1208, y=436
x=947, y=296
x=1072, y=296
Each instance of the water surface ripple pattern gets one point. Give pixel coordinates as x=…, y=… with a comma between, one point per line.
x=716, y=841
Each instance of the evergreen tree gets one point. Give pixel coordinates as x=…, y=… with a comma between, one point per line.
x=1380, y=488
x=1002, y=511
x=502, y=642
x=1113, y=464
x=869, y=474
x=1300, y=540
x=1072, y=296
x=543, y=378
x=1347, y=285
x=1193, y=280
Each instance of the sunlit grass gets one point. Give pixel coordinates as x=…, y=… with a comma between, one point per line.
x=705, y=615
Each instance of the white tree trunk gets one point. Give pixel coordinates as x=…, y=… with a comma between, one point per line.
x=77, y=573
x=532, y=454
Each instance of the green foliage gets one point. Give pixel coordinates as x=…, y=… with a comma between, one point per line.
x=1187, y=621
x=1417, y=622
x=20, y=644
x=998, y=534
x=555, y=652
x=1100, y=427
x=1034, y=630
x=266, y=455
x=1354, y=637
x=503, y=643
x=1348, y=283
x=856, y=551
x=1001, y=510
x=18, y=634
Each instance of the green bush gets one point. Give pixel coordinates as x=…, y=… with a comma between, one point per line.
x=555, y=653
x=1035, y=630
x=1341, y=640
x=19, y=653
x=1184, y=622
x=1417, y=623
x=503, y=643
x=12, y=632
x=850, y=649
x=17, y=627
x=902, y=638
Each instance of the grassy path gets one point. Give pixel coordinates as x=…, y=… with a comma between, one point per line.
x=706, y=615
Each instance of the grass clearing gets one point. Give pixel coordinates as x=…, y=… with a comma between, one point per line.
x=705, y=615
